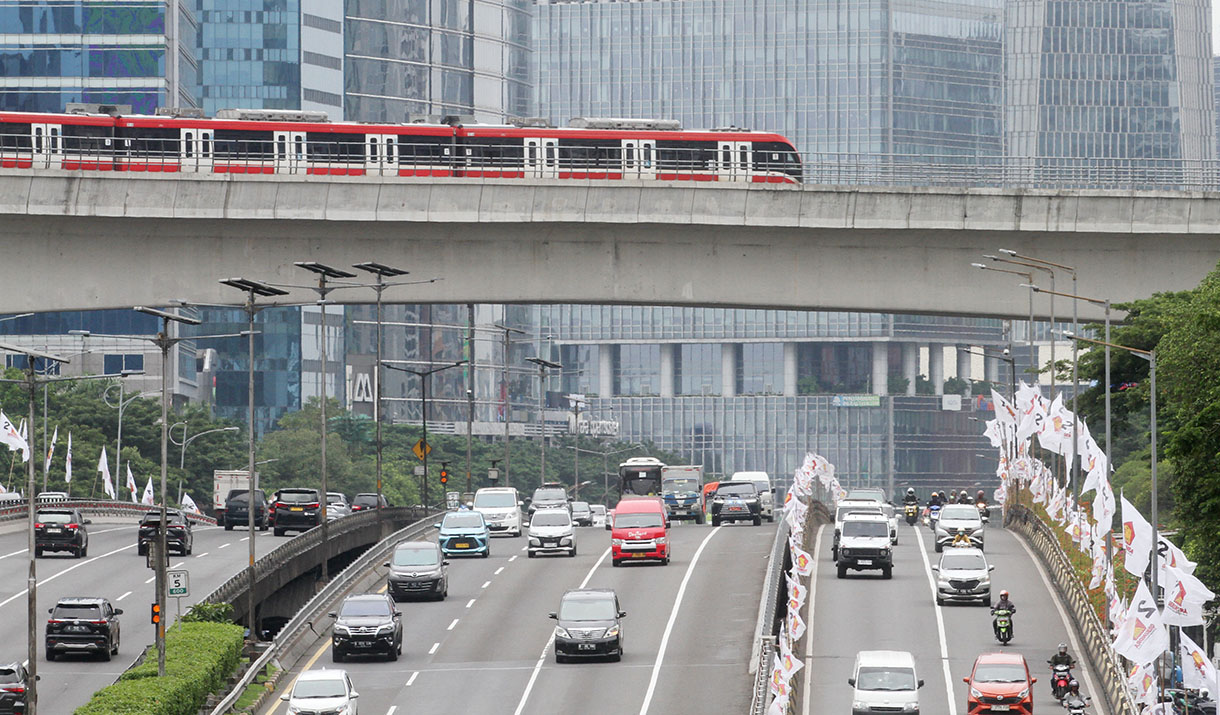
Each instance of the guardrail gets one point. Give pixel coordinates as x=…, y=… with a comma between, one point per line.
x=1096, y=642
x=95, y=507
x=292, y=632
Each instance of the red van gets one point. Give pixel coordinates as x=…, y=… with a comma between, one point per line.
x=639, y=531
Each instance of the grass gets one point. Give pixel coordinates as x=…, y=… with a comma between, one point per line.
x=254, y=689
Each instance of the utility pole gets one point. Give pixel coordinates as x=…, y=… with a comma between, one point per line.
x=470, y=385
x=507, y=402
x=542, y=367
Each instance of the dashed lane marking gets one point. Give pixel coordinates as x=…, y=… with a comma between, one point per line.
x=120, y=598
x=432, y=650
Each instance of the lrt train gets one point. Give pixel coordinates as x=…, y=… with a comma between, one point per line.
x=102, y=138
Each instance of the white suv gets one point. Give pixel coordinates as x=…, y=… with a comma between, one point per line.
x=501, y=509
x=884, y=682
x=552, y=531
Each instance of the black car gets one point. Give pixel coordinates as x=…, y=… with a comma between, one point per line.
x=366, y=624
x=237, y=509
x=736, y=501
x=582, y=515
x=83, y=625
x=61, y=529
x=14, y=679
x=297, y=509
x=418, y=568
x=549, y=496
x=178, y=535
x=589, y=625
x=364, y=502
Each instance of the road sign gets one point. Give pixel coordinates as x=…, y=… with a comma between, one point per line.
x=179, y=584
x=421, y=450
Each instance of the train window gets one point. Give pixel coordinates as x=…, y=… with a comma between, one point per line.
x=373, y=149
x=299, y=147
x=188, y=144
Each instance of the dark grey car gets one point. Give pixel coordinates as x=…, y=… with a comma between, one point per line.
x=418, y=568
x=367, y=624
x=589, y=624
x=14, y=681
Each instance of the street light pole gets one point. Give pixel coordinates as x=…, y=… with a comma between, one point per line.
x=1029, y=279
x=542, y=367
x=187, y=440
x=507, y=410
x=423, y=376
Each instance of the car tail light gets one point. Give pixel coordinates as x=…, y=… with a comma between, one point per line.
x=98, y=623
x=18, y=689
x=314, y=505
x=73, y=526
x=39, y=525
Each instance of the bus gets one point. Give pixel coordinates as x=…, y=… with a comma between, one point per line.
x=640, y=476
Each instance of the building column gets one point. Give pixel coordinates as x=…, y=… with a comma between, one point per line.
x=910, y=365
x=964, y=366
x=728, y=369
x=667, y=369
x=605, y=370
x=936, y=367
x=790, y=369
x=881, y=368
x=991, y=370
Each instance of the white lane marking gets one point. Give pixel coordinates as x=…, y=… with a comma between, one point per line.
x=525, y=548
x=809, y=616
x=178, y=565
x=103, y=531
x=245, y=538
x=673, y=617
x=151, y=579
x=433, y=648
x=73, y=567
x=392, y=708
x=542, y=658
x=225, y=546
x=940, y=624
x=512, y=558
x=497, y=573
x=15, y=553
x=200, y=556
x=455, y=622
x=486, y=584
x=411, y=680
x=468, y=605
x=1088, y=678
x=120, y=598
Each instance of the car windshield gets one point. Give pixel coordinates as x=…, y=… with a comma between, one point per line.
x=885, y=679
x=999, y=673
x=365, y=607
x=580, y=506
x=55, y=517
x=587, y=609
x=845, y=510
x=301, y=497
x=463, y=520
x=736, y=490
x=866, y=528
x=242, y=497
x=494, y=500
x=336, y=499
x=415, y=556
x=557, y=517
x=319, y=689
x=637, y=521
x=681, y=485
x=550, y=495
x=963, y=562
x=960, y=511
x=84, y=613
x=9, y=674
x=598, y=509
x=365, y=500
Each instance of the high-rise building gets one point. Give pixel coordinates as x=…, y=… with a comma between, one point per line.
x=138, y=52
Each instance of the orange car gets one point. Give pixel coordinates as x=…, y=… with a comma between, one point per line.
x=1000, y=683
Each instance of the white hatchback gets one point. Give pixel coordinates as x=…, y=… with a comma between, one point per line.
x=322, y=691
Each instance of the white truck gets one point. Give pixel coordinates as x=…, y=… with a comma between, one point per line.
x=222, y=481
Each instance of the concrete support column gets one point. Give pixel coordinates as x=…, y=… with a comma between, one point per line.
x=790, y=369
x=881, y=368
x=936, y=367
x=910, y=365
x=667, y=369
x=991, y=370
x=728, y=369
x=964, y=366
x=605, y=370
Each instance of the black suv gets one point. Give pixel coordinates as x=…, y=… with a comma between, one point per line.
x=297, y=509
x=367, y=623
x=237, y=509
x=364, y=502
x=14, y=680
x=736, y=501
x=83, y=625
x=418, y=568
x=178, y=537
x=60, y=529
x=589, y=625
x=549, y=496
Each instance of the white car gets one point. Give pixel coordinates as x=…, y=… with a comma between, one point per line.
x=337, y=506
x=891, y=515
x=884, y=681
x=551, y=532
x=322, y=691
x=959, y=525
x=501, y=508
x=600, y=515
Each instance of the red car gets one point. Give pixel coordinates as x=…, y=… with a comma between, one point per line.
x=1000, y=683
x=639, y=530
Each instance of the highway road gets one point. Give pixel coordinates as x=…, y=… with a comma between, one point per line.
x=485, y=649
x=864, y=612
x=112, y=570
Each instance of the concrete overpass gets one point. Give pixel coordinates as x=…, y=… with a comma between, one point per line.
x=74, y=240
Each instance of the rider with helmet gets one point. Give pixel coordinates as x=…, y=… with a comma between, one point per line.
x=1005, y=604
x=1062, y=657
x=1073, y=698
x=910, y=497
x=963, y=497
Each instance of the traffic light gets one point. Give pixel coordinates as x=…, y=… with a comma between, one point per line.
x=156, y=614
x=444, y=476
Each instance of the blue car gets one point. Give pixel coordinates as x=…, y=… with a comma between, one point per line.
x=464, y=532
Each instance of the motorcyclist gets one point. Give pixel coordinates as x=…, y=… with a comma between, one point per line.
x=1004, y=604
x=963, y=497
x=952, y=498
x=1062, y=657
x=935, y=500
x=1073, y=698
x=910, y=497
x=980, y=498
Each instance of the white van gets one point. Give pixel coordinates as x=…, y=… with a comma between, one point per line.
x=766, y=495
x=501, y=509
x=884, y=681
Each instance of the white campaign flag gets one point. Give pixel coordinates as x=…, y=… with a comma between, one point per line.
x=1098, y=469
x=131, y=483
x=1056, y=427
x=11, y=436
x=1137, y=539
x=189, y=504
x=796, y=594
x=1168, y=555
x=1140, y=681
x=1185, y=596
x=802, y=562
x=1098, y=550
x=46, y=467
x=148, y=494
x=1103, y=507
x=1198, y=673
x=994, y=433
x=1143, y=636
x=796, y=626
x=1005, y=413
x=68, y=461
x=1032, y=418
x=103, y=466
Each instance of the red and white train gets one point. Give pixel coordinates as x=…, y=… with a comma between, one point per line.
x=285, y=142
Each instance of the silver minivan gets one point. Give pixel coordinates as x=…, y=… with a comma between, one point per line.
x=884, y=682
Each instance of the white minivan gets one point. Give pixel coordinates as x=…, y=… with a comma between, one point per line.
x=884, y=682
x=766, y=496
x=501, y=509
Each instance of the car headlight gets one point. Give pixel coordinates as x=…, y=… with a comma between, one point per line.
x=535, y=542
x=661, y=540
x=1023, y=693
x=561, y=632
x=611, y=632
x=911, y=706
x=975, y=693
x=616, y=542
x=846, y=551
x=342, y=630
x=885, y=551
x=565, y=541
x=859, y=705
x=385, y=629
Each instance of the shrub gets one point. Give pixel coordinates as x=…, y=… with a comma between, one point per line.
x=209, y=613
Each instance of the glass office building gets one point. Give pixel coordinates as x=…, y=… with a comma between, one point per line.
x=135, y=52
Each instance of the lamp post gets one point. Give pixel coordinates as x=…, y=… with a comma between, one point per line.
x=605, y=462
x=1029, y=279
x=507, y=404
x=121, y=405
x=187, y=440
x=542, y=368
x=576, y=402
x=1037, y=266
x=1007, y=357
x=423, y=376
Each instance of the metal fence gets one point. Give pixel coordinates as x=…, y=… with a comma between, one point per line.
x=94, y=507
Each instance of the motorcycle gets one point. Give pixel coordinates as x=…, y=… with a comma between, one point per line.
x=1187, y=701
x=912, y=513
x=933, y=515
x=1061, y=675
x=984, y=511
x=1076, y=704
x=1002, y=624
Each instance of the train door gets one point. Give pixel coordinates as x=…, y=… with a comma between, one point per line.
x=47, y=143
x=541, y=157
x=289, y=152
x=195, y=149
x=639, y=158
x=733, y=160
x=381, y=153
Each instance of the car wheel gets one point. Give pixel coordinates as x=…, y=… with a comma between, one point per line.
x=842, y=573
x=560, y=658
x=665, y=561
x=50, y=655
x=616, y=562
x=531, y=554
x=263, y=526
x=699, y=519
x=887, y=572
x=392, y=655
x=985, y=601
x=189, y=549
x=758, y=521
x=940, y=601
x=37, y=552
x=939, y=547
x=142, y=550
x=115, y=649
x=399, y=648
x=106, y=653
x=770, y=518
x=487, y=553
x=278, y=531
x=336, y=655
x=228, y=526
x=616, y=656
x=572, y=552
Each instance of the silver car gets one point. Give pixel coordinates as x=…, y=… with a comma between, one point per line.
x=337, y=505
x=963, y=574
x=959, y=525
